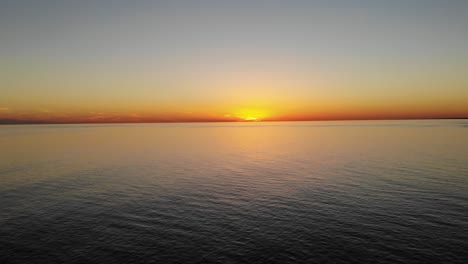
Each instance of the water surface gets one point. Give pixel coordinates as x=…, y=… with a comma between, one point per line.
x=280, y=192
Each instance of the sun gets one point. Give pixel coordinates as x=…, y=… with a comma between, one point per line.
x=251, y=118
x=251, y=115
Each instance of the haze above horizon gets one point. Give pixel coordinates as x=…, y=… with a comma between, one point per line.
x=206, y=61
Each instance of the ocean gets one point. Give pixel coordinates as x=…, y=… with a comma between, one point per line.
x=259, y=192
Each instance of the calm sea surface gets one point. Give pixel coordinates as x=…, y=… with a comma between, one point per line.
x=298, y=192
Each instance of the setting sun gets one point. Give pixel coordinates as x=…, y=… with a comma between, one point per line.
x=254, y=115
x=251, y=118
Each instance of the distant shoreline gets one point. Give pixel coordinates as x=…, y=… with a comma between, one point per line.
x=31, y=122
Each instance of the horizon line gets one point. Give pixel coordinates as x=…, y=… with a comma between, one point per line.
x=48, y=122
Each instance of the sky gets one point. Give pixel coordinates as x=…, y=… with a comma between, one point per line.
x=183, y=61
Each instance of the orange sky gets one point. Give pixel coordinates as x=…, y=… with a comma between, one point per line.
x=232, y=61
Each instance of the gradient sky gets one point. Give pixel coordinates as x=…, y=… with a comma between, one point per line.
x=129, y=61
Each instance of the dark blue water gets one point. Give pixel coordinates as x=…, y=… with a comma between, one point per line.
x=312, y=192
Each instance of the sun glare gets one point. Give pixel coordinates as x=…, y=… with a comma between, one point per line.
x=251, y=118
x=252, y=115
